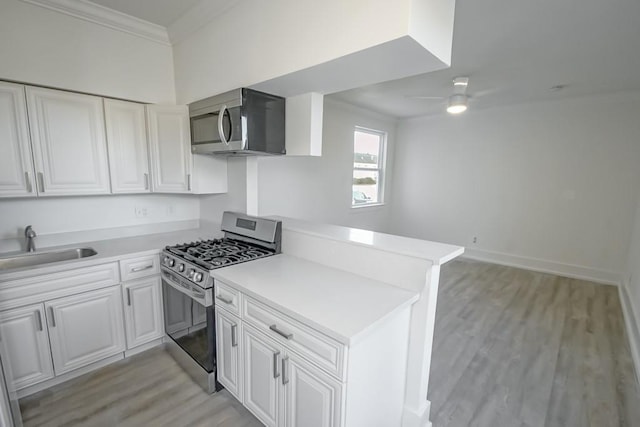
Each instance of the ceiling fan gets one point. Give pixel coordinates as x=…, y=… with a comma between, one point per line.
x=458, y=101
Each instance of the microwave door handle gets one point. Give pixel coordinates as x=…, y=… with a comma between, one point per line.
x=220, y=125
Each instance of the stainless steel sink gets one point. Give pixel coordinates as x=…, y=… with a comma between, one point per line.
x=38, y=258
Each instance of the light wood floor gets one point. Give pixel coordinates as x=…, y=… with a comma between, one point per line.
x=148, y=389
x=519, y=348
x=511, y=348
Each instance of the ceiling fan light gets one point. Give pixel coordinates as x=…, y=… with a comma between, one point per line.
x=457, y=104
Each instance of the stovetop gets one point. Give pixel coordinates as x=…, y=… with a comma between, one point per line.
x=216, y=253
x=246, y=238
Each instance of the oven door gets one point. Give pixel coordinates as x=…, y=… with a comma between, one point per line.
x=189, y=320
x=217, y=131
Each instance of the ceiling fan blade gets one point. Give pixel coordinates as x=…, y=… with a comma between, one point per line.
x=425, y=97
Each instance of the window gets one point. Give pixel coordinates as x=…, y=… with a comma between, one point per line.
x=368, y=167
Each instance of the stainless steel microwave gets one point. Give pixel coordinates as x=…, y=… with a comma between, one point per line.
x=239, y=122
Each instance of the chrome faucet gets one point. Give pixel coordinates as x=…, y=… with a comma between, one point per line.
x=30, y=234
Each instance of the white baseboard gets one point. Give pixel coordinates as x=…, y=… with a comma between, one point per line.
x=144, y=347
x=412, y=417
x=631, y=322
x=545, y=266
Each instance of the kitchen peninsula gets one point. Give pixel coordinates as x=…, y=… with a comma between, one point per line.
x=309, y=336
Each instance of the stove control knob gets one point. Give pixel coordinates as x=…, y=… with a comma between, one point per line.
x=197, y=277
x=191, y=273
x=171, y=262
x=181, y=267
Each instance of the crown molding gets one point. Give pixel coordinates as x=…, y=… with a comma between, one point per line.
x=106, y=17
x=195, y=18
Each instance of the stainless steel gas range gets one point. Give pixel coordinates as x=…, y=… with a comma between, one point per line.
x=187, y=288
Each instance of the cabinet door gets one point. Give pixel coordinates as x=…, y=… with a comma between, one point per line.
x=85, y=328
x=170, y=148
x=228, y=352
x=312, y=398
x=25, y=334
x=16, y=165
x=262, y=373
x=69, y=145
x=143, y=311
x=127, y=144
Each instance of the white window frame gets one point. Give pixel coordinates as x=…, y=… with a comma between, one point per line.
x=381, y=169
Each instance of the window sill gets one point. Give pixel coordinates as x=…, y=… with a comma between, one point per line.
x=355, y=208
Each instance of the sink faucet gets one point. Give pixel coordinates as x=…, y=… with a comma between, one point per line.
x=30, y=234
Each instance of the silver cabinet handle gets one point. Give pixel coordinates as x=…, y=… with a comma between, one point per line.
x=285, y=368
x=27, y=181
x=224, y=300
x=52, y=314
x=39, y=320
x=276, y=356
x=137, y=269
x=146, y=181
x=275, y=329
x=41, y=181
x=234, y=335
x=128, y=296
x=189, y=182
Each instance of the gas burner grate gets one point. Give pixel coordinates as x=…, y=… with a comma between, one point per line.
x=211, y=254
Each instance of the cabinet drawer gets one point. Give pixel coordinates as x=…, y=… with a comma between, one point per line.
x=227, y=298
x=313, y=345
x=31, y=290
x=135, y=268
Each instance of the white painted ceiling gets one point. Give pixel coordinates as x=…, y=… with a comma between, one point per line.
x=515, y=51
x=160, y=12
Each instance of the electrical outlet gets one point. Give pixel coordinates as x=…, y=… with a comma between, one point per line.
x=141, y=212
x=170, y=210
x=475, y=239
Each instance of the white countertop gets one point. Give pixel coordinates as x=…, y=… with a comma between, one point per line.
x=342, y=305
x=437, y=253
x=112, y=250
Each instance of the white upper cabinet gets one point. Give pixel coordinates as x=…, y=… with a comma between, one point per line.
x=170, y=148
x=127, y=144
x=16, y=166
x=69, y=144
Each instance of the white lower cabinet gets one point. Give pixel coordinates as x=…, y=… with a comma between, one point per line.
x=312, y=398
x=25, y=334
x=143, y=311
x=85, y=328
x=282, y=389
x=229, y=365
x=262, y=373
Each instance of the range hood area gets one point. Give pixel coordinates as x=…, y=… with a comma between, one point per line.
x=239, y=122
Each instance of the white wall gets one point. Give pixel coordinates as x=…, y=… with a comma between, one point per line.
x=258, y=41
x=552, y=186
x=632, y=276
x=631, y=290
x=319, y=188
x=235, y=199
x=40, y=46
x=57, y=215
